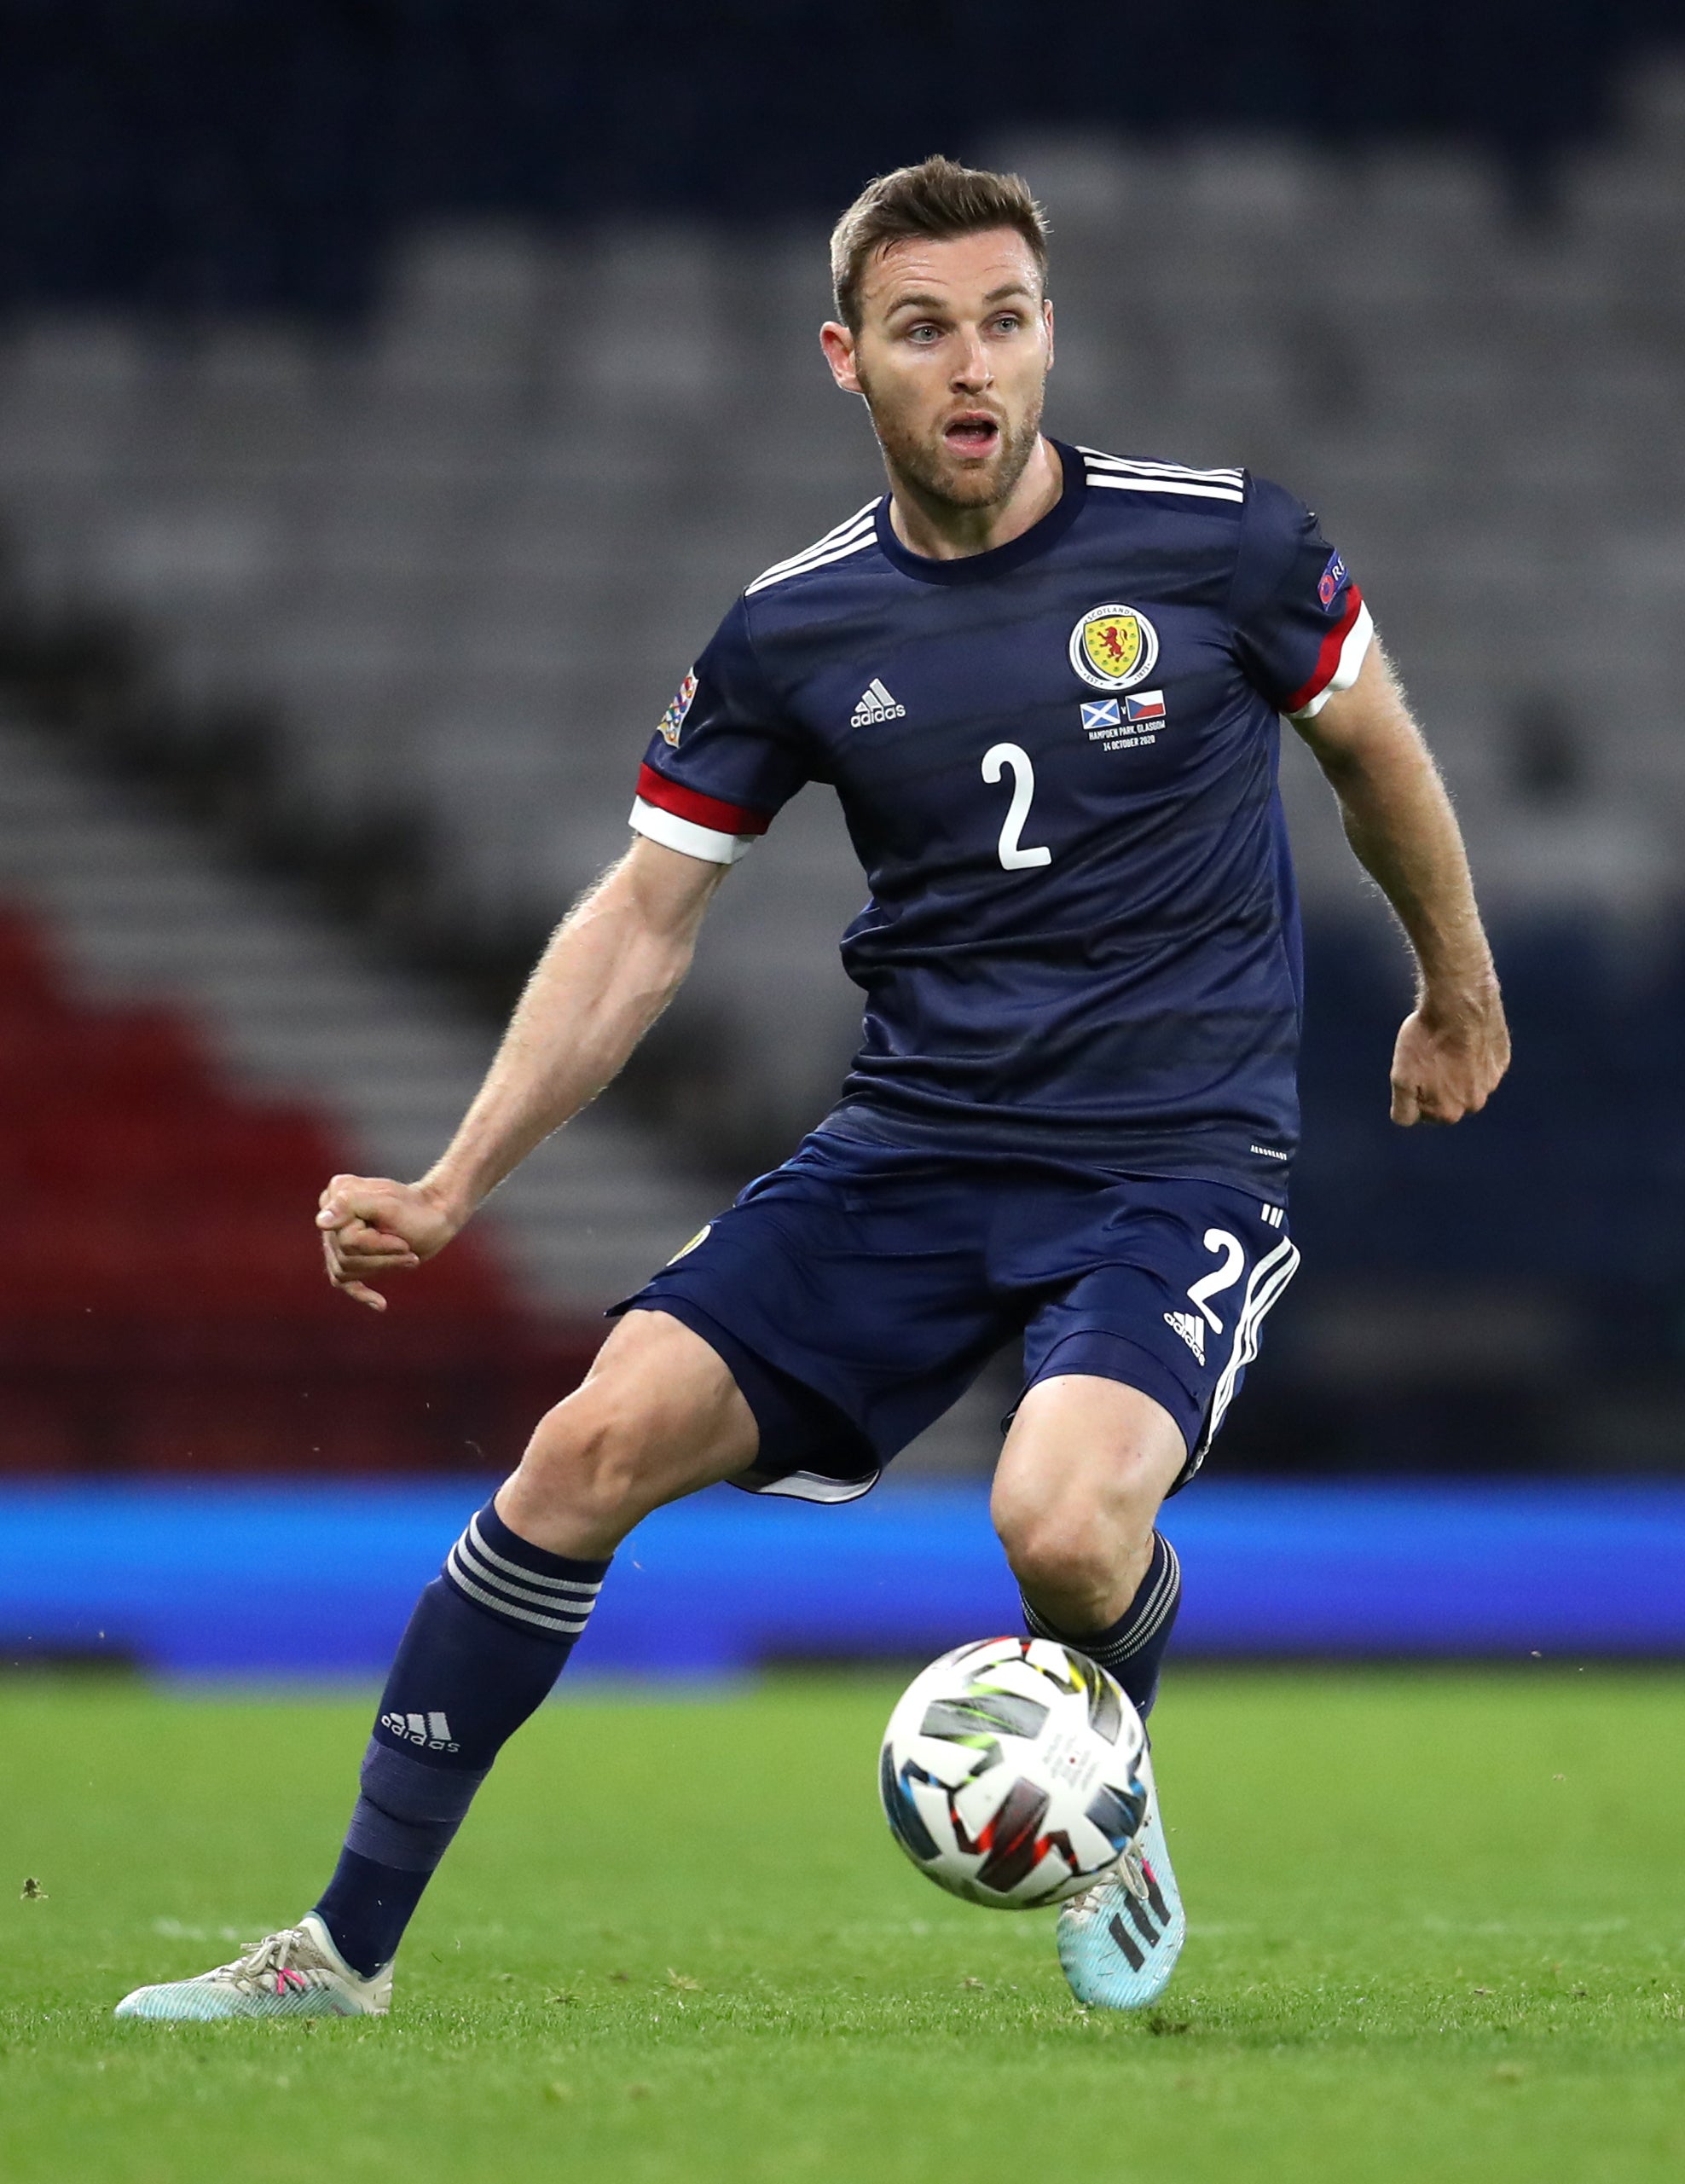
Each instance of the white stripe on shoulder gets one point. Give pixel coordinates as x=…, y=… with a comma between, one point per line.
x=1096, y=458
x=832, y=537
x=1119, y=464
x=1168, y=485
x=868, y=537
x=847, y=538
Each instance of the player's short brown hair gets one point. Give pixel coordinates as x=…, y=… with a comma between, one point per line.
x=938, y=199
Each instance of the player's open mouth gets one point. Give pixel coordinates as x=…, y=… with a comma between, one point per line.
x=975, y=434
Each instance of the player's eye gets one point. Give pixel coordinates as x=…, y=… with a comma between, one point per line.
x=924, y=332
x=1008, y=322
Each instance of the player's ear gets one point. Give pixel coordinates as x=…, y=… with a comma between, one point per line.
x=838, y=345
x=1047, y=322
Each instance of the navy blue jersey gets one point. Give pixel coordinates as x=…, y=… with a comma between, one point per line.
x=1058, y=763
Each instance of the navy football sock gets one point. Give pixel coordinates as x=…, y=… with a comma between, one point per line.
x=1133, y=1646
x=487, y=1641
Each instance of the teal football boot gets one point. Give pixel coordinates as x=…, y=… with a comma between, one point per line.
x=1119, y=1940
x=298, y=1972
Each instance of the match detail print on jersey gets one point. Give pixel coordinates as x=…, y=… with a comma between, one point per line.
x=1130, y=723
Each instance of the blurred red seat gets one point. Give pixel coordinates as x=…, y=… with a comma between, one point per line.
x=163, y=1303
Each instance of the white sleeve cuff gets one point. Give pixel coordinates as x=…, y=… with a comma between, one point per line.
x=688, y=837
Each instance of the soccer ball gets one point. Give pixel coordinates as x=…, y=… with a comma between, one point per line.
x=1010, y=1772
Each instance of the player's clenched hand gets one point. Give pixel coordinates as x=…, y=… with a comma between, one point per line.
x=371, y=1227
x=1449, y=1059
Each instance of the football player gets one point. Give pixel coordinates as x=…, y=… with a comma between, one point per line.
x=1045, y=684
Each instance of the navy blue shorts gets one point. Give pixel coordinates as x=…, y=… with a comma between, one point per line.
x=856, y=1292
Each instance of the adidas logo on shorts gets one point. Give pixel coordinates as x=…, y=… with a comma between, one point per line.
x=876, y=705
x=1191, y=1329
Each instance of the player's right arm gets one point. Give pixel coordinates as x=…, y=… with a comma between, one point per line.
x=723, y=761
x=608, y=972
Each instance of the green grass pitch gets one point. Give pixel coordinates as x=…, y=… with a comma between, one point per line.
x=1438, y=1930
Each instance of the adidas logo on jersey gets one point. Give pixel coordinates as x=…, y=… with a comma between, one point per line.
x=431, y=1732
x=1191, y=1330
x=876, y=705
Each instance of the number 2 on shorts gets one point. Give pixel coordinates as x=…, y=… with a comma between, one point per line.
x=1013, y=857
x=1223, y=1278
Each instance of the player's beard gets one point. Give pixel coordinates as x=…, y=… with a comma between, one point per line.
x=935, y=475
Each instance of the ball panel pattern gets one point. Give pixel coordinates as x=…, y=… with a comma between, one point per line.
x=1010, y=1772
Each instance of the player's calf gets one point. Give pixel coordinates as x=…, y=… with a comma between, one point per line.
x=484, y=1647
x=487, y=1640
x=491, y=1635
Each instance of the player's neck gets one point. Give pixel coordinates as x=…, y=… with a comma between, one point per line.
x=941, y=532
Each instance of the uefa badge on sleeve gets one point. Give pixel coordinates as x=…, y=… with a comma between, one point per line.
x=673, y=720
x=1114, y=647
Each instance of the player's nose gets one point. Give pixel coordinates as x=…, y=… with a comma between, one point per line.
x=971, y=371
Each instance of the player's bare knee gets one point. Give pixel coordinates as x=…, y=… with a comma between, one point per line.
x=589, y=1457
x=1062, y=1559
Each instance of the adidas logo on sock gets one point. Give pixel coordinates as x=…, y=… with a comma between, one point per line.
x=876, y=705
x=431, y=1732
x=1191, y=1330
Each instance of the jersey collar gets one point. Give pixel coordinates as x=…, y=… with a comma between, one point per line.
x=978, y=568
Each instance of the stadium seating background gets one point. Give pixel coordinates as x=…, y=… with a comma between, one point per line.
x=233, y=155
x=386, y=413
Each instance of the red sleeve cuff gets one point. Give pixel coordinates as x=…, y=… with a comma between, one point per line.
x=1327, y=656
x=702, y=811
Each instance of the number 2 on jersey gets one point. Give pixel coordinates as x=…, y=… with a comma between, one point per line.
x=1014, y=857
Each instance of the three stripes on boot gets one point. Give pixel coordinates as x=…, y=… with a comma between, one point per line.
x=1134, y=1954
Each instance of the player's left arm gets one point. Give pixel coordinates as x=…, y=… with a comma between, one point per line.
x=1454, y=1047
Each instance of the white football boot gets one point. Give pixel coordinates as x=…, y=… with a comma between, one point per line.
x=1119, y=1941
x=296, y=1973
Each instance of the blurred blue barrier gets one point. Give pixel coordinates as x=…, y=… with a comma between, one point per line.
x=196, y=1580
